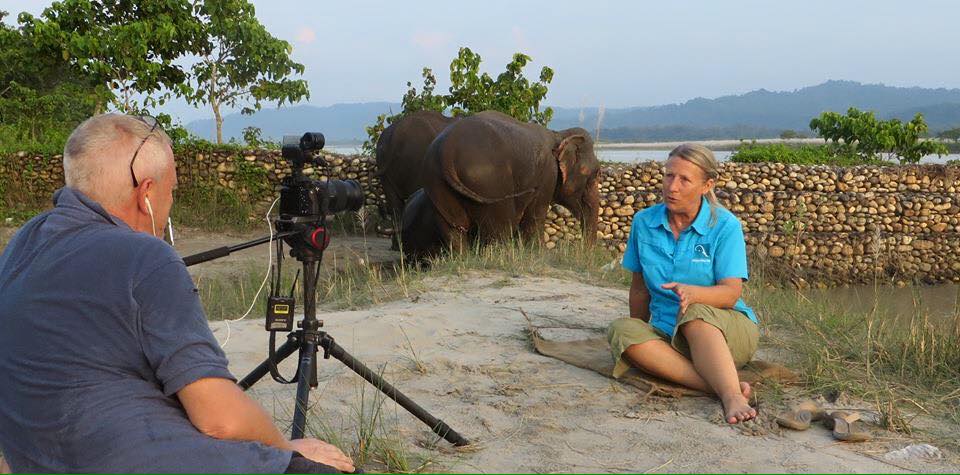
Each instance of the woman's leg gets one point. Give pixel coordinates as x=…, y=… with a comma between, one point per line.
x=658, y=358
x=714, y=363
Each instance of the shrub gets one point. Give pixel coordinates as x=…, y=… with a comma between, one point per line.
x=797, y=155
x=861, y=133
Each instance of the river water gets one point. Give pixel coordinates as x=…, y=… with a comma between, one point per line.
x=626, y=155
x=939, y=302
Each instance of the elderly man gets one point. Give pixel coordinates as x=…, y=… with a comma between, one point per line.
x=107, y=359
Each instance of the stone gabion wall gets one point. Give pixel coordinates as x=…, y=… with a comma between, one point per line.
x=232, y=170
x=823, y=224
x=816, y=224
x=31, y=179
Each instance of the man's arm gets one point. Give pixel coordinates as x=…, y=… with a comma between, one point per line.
x=220, y=409
x=639, y=298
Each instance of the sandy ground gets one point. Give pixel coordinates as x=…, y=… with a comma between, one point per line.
x=529, y=413
x=462, y=351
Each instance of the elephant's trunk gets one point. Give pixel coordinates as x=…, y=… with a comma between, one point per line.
x=590, y=209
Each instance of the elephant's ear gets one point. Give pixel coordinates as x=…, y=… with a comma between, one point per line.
x=566, y=154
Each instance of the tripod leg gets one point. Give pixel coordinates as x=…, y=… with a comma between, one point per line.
x=307, y=370
x=260, y=371
x=436, y=425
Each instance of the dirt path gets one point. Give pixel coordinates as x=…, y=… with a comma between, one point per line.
x=530, y=413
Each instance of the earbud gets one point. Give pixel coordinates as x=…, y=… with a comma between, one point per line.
x=153, y=222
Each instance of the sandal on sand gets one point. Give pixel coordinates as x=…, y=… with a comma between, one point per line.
x=846, y=427
x=801, y=415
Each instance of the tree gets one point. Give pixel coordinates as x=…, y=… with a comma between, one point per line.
x=472, y=91
x=861, y=133
x=125, y=47
x=511, y=93
x=41, y=98
x=242, y=63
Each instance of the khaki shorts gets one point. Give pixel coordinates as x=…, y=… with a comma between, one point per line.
x=741, y=333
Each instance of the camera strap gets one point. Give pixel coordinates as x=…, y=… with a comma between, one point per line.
x=272, y=363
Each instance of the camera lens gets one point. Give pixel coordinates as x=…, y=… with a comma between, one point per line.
x=344, y=195
x=312, y=141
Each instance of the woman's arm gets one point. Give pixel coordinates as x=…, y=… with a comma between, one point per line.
x=639, y=298
x=723, y=295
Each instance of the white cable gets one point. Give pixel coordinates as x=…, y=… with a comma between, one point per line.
x=265, y=277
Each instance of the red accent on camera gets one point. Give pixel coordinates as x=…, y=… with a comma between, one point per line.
x=319, y=238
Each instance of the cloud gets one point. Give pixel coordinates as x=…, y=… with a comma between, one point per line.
x=306, y=35
x=430, y=40
x=520, y=40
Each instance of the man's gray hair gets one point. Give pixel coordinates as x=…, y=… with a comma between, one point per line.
x=96, y=159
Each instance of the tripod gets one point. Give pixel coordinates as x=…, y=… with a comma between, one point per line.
x=308, y=240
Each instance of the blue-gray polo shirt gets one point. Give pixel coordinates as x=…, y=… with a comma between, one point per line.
x=703, y=255
x=100, y=326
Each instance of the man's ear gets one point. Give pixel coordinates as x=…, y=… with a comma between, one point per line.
x=141, y=192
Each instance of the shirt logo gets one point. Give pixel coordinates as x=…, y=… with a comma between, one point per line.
x=701, y=253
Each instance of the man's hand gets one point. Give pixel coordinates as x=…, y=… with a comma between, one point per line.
x=324, y=453
x=688, y=294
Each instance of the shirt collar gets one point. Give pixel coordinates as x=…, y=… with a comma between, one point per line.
x=701, y=224
x=75, y=200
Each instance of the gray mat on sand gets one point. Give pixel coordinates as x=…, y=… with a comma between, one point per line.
x=594, y=354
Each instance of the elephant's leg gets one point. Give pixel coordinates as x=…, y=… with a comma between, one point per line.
x=496, y=221
x=534, y=218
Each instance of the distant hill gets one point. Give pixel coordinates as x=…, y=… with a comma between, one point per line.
x=766, y=113
x=756, y=114
x=339, y=122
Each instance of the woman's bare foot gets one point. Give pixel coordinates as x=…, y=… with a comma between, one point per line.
x=736, y=407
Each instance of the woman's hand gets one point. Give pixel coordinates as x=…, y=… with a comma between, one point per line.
x=688, y=294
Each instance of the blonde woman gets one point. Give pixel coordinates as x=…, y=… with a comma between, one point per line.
x=687, y=321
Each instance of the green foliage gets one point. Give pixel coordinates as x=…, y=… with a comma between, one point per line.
x=861, y=133
x=211, y=207
x=125, y=49
x=252, y=136
x=243, y=64
x=511, y=93
x=41, y=98
x=950, y=134
x=252, y=177
x=752, y=152
x=472, y=91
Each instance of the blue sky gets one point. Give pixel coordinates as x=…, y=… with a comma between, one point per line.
x=615, y=54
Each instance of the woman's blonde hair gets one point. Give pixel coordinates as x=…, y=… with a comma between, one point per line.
x=703, y=158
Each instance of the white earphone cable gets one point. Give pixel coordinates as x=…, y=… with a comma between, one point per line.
x=266, y=277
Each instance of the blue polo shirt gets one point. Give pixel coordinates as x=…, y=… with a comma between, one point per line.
x=100, y=327
x=703, y=255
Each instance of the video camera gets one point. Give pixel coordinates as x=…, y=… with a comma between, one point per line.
x=306, y=200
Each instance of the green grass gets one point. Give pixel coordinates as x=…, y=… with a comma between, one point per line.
x=211, y=208
x=907, y=365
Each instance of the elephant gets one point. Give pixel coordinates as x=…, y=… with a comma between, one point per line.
x=420, y=228
x=489, y=176
x=399, y=155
